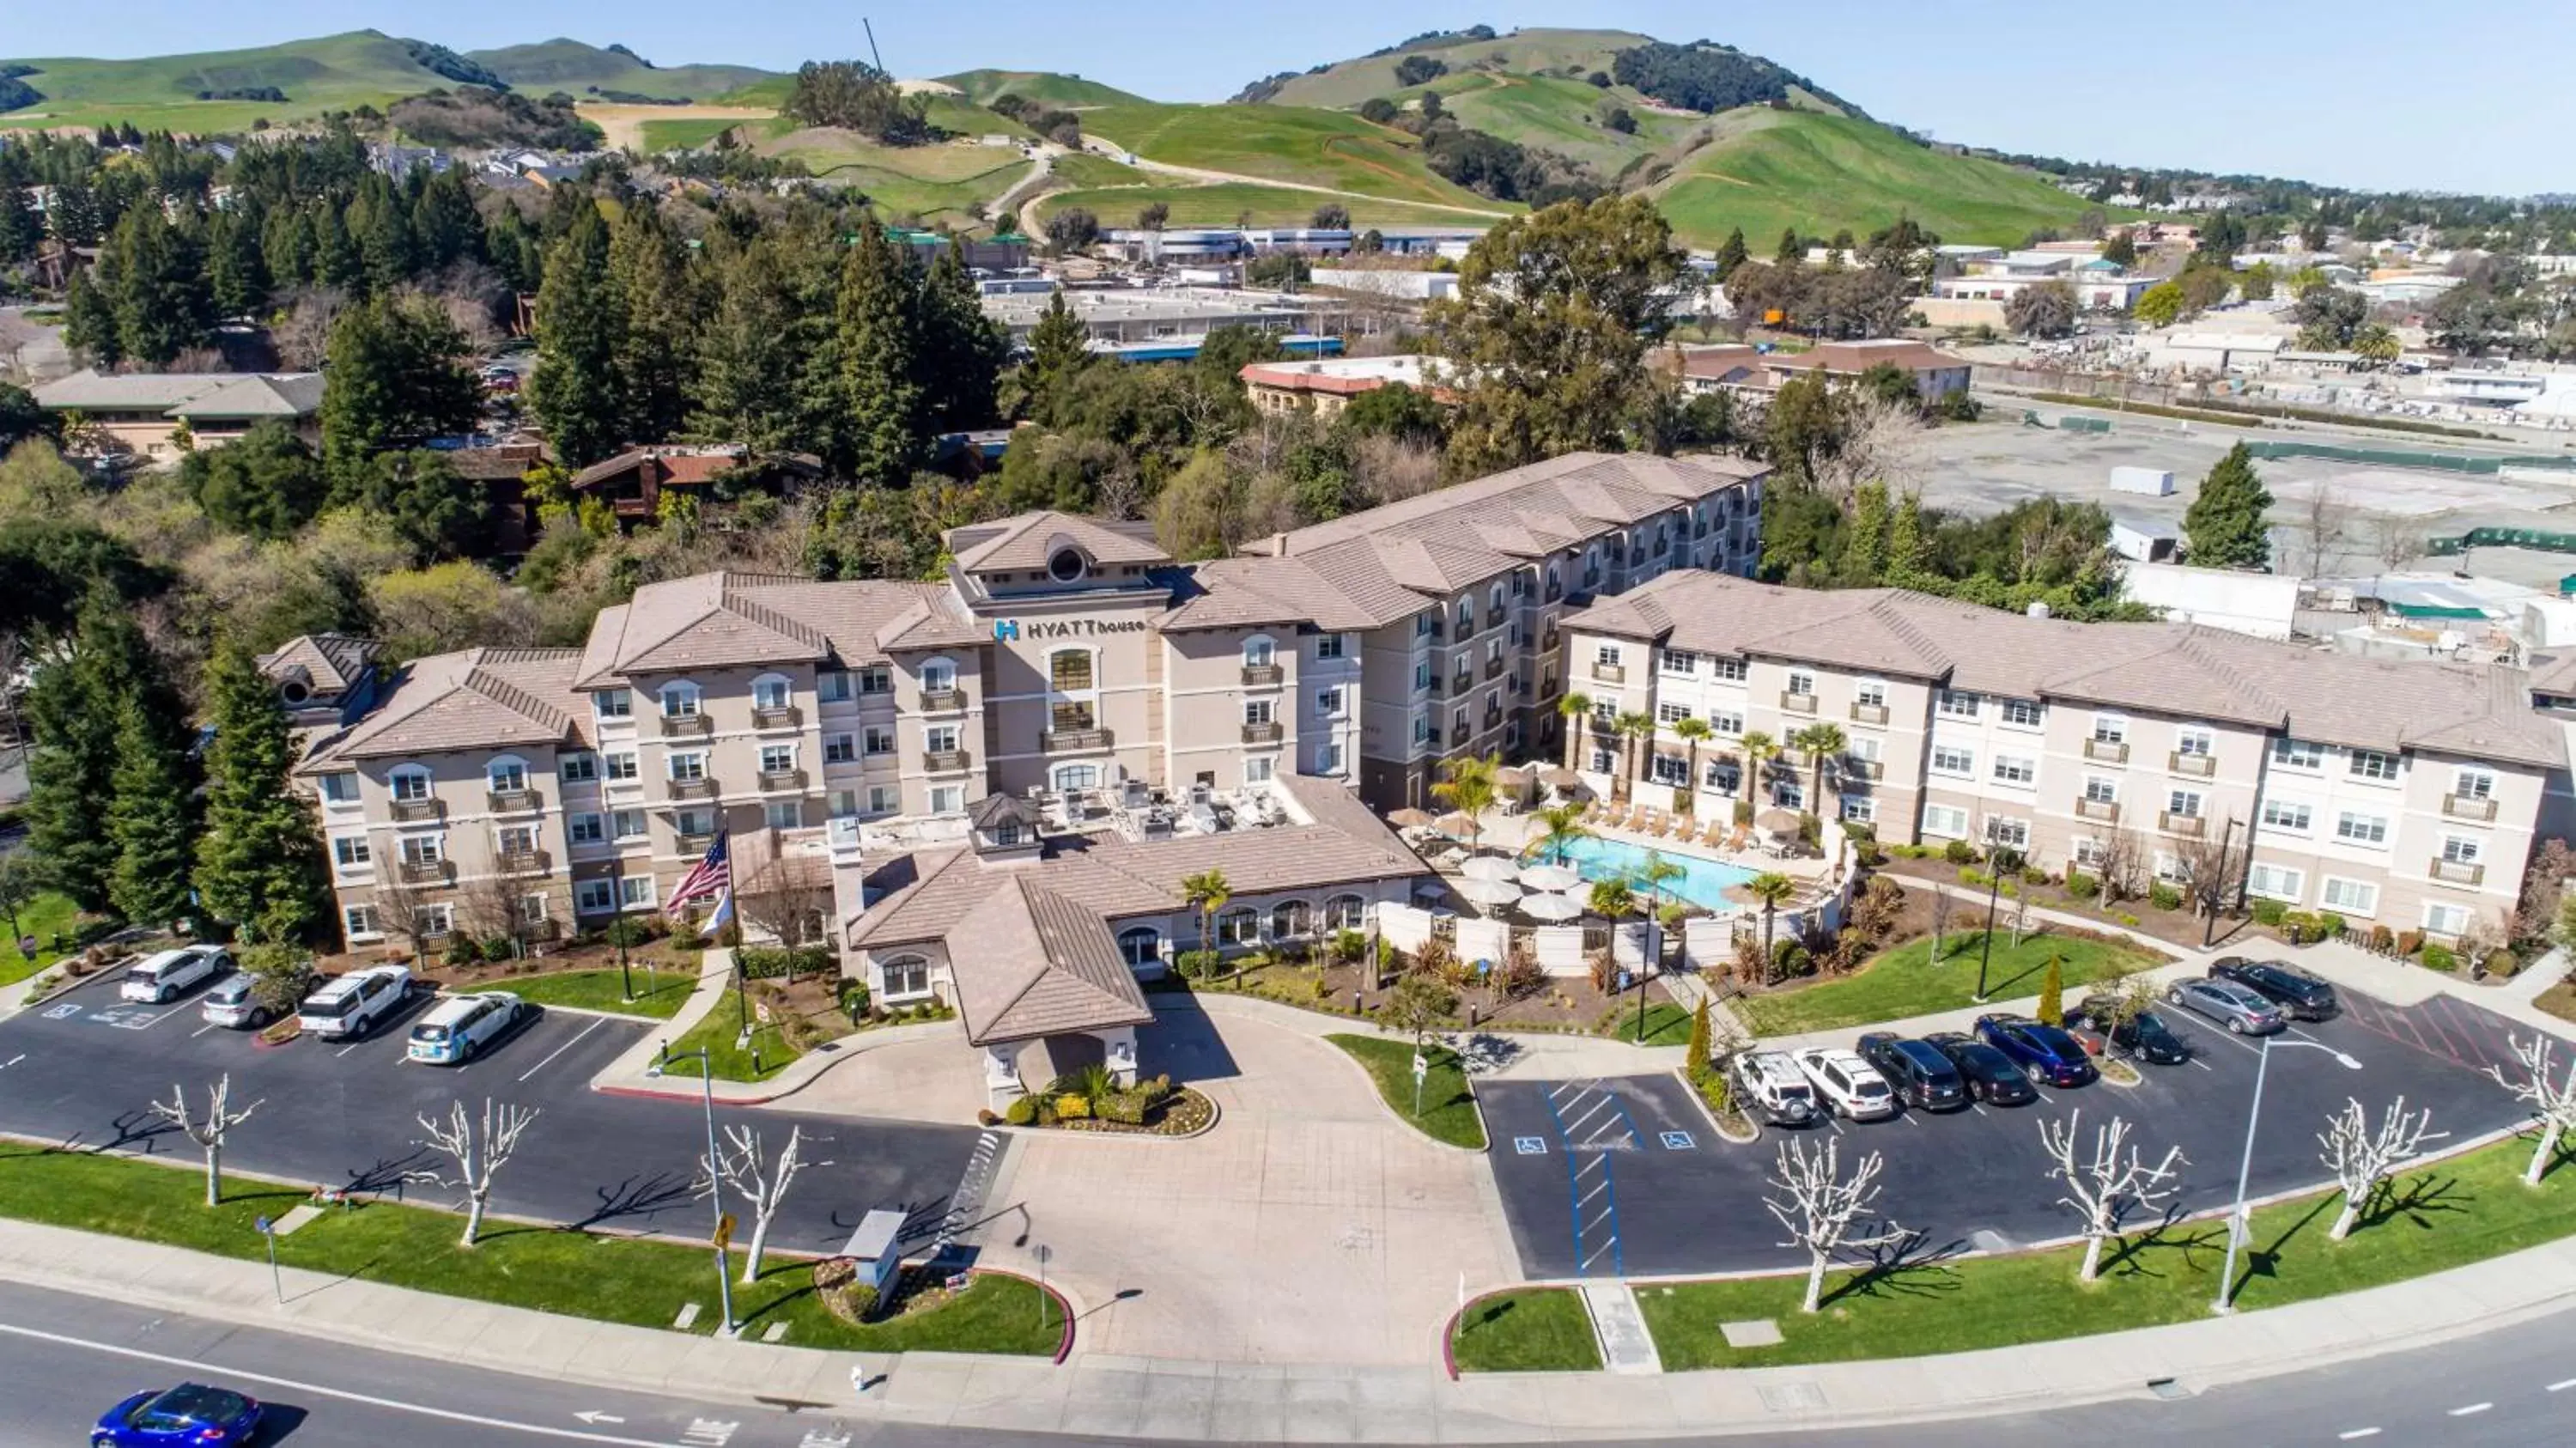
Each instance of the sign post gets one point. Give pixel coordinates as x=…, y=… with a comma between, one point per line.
x=268, y=1233
x=724, y=1232
x=1045, y=1297
x=1421, y=1069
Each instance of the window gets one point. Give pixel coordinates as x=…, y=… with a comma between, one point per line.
x=1423, y=624
x=351, y=852
x=770, y=691
x=876, y=679
x=1722, y=775
x=1466, y=617
x=1607, y=656
x=843, y=748
x=2091, y=850
x=841, y=804
x=1669, y=769
x=1328, y=646
x=2461, y=849
x=1802, y=683
x=1494, y=598
x=410, y=783
x=516, y=840
x=2009, y=770
x=1259, y=769
x=1726, y=722
x=1070, y=777
x=1727, y=671
x=681, y=701
x=948, y=799
x=626, y=824
x=1860, y=809
x=1671, y=713
x=940, y=738
x=2443, y=918
x=785, y=814
x=1951, y=759
x=2287, y=814
x=2288, y=753
x=587, y=829
x=612, y=703
x=938, y=674
x=777, y=758
x=340, y=788
x=1292, y=920
x=594, y=897
x=2011, y=834
x=832, y=686
x=2473, y=784
x=2349, y=897
x=2110, y=729
x=877, y=739
x=2191, y=739
x=1946, y=820
x=579, y=767
x=506, y=774
x=686, y=767
x=1328, y=703
x=1345, y=912
x=2371, y=764
x=693, y=821
x=1870, y=694
x=1958, y=705
x=1604, y=711
x=2183, y=804
x=1421, y=675
x=620, y=766
x=1789, y=793
x=1239, y=926
x=1142, y=945
x=635, y=892
x=1328, y=757
x=361, y=921
x=434, y=921
x=905, y=975
x=1421, y=729
x=1069, y=670
x=1603, y=762
x=2361, y=829
x=2101, y=789
x=2275, y=882
x=423, y=849
x=2022, y=713
x=1678, y=661
x=1257, y=711
x=884, y=799
x=2171, y=869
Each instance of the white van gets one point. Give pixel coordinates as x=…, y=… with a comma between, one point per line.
x=348, y=1005
x=174, y=973
x=459, y=1027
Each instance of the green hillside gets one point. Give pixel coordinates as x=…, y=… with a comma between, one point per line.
x=1045, y=87
x=1283, y=143
x=1569, y=53
x=333, y=72
x=1771, y=170
x=570, y=65
x=937, y=183
x=1563, y=116
x=1228, y=204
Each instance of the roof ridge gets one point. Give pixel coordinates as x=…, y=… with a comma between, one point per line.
x=2196, y=642
x=1890, y=608
x=741, y=602
x=511, y=697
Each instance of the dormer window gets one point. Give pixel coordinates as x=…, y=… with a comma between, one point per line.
x=680, y=701
x=1258, y=652
x=1066, y=565
x=938, y=674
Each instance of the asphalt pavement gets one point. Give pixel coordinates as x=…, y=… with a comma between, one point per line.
x=85, y=1069
x=1622, y=1177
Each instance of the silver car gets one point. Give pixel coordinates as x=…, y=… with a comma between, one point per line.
x=2239, y=1009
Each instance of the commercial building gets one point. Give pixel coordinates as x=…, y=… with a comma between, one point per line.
x=2407, y=794
x=140, y=414
x=1113, y=315
x=1325, y=387
x=1936, y=373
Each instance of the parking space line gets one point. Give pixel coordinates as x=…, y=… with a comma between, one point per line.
x=1908, y=1118
x=2204, y=1065
x=201, y=1030
x=344, y=1050
x=595, y=1024
x=1635, y=1137
x=2233, y=1039
x=2470, y=1409
x=1980, y=1110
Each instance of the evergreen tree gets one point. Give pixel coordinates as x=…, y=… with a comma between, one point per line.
x=336, y=259
x=766, y=376
x=648, y=276
x=268, y=485
x=510, y=244
x=445, y=227
x=1865, y=545
x=962, y=350
x=151, y=814
x=881, y=438
x=260, y=863
x=2224, y=526
x=21, y=228
x=429, y=505
x=1788, y=250
x=380, y=223
x=396, y=374
x=1731, y=255
x=74, y=707
x=161, y=297
x=2052, y=992
x=1906, y=562
x=575, y=390
x=1695, y=1060
x=89, y=317
x=1059, y=347
x=236, y=265
x=286, y=245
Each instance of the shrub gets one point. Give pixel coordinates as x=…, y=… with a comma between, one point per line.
x=2052, y=992
x=986, y=1116
x=2382, y=938
x=1959, y=852
x=1971, y=875
x=854, y=998
x=1788, y=958
x=2332, y=924
x=1712, y=1088
x=2125, y=918
x=2033, y=875
x=1022, y=1111
x=461, y=951
x=2438, y=956
x=2502, y=964
x=836, y=1281
x=1743, y=813
x=2164, y=896
x=2082, y=887
x=1197, y=964
x=1072, y=1106
x=687, y=936
x=1124, y=1107
x=2269, y=912
x=629, y=931
x=1350, y=946
x=1859, y=831
x=2409, y=941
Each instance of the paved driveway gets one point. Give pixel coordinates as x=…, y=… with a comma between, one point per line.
x=86, y=1068
x=1621, y=1177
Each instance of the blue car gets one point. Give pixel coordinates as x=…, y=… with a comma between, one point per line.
x=2039, y=1048
x=189, y=1413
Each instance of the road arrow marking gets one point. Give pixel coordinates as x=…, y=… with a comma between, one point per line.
x=594, y=1417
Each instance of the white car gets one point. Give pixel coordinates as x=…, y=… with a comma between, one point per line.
x=348, y=1005
x=459, y=1027
x=1846, y=1083
x=174, y=973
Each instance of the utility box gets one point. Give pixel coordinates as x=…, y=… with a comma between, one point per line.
x=873, y=1247
x=2151, y=482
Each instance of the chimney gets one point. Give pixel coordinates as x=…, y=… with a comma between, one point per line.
x=1278, y=545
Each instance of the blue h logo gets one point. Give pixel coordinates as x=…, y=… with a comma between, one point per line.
x=1006, y=630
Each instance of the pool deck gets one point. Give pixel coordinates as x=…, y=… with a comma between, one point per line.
x=1516, y=834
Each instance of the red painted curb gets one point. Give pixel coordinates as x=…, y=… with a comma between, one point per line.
x=1449, y=1340
x=651, y=1094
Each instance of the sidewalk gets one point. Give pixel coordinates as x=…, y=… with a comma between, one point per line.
x=630, y=1074
x=1133, y=1397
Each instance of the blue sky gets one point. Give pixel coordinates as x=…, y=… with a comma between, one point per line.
x=2367, y=93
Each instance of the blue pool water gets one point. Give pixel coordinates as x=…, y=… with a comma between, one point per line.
x=1701, y=883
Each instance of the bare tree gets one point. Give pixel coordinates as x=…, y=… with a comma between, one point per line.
x=207, y=1131
x=492, y=909
x=1943, y=907
x=2552, y=1102
x=2397, y=541
x=2213, y=869
x=2108, y=1185
x=744, y=1164
x=1819, y=1208
x=2120, y=860
x=788, y=897
x=1883, y=442
x=400, y=905
x=2324, y=524
x=2020, y=919
x=479, y=1148
x=2362, y=1158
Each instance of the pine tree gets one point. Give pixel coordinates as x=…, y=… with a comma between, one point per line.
x=396, y=374
x=74, y=706
x=962, y=349
x=151, y=814
x=1788, y=250
x=648, y=275
x=575, y=389
x=236, y=266
x=380, y=222
x=286, y=244
x=336, y=259
x=879, y=353
x=2224, y=526
x=1865, y=545
x=2052, y=991
x=260, y=863
x=510, y=244
x=445, y=226
x=1904, y=567
x=21, y=228
x=1059, y=347
x=89, y=317
x=1731, y=255
x=1695, y=1055
x=160, y=288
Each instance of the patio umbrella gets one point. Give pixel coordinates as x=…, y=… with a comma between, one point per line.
x=1407, y=819
x=1553, y=908
x=1551, y=877
x=1458, y=824
x=1777, y=822
x=1491, y=867
x=1516, y=777
x=1489, y=892
x=1557, y=776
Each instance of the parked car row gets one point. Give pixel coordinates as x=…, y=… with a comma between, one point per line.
x=342, y=1007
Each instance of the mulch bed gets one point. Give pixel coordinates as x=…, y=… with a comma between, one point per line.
x=1183, y=1113
x=1564, y=1004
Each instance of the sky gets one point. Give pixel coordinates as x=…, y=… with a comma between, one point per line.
x=2368, y=93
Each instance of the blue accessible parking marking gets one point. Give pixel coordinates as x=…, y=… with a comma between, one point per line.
x=1678, y=1141
x=1530, y=1145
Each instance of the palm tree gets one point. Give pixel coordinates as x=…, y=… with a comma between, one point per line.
x=1631, y=726
x=1469, y=788
x=1611, y=899
x=1651, y=877
x=1560, y=825
x=1207, y=893
x=1772, y=889
x=1692, y=730
x=1823, y=743
x=1575, y=708
x=1759, y=749
x=2376, y=342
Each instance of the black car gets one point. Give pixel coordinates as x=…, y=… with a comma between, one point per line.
x=2144, y=1035
x=1991, y=1075
x=2300, y=995
x=1921, y=1075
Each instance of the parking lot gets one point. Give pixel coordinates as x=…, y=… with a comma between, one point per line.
x=1622, y=1176
x=85, y=1069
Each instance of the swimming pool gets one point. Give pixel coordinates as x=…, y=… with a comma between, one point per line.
x=1702, y=881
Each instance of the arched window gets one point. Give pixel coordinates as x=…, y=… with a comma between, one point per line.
x=1077, y=776
x=771, y=691
x=1141, y=945
x=409, y=782
x=904, y=975
x=506, y=773
x=680, y=700
x=938, y=674
x=1259, y=651
x=1239, y=926
x=1292, y=920
x=1345, y=912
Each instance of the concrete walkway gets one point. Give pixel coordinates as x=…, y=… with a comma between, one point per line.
x=631, y=1073
x=1626, y=1347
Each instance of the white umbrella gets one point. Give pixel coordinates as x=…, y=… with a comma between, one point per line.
x=1551, y=907
x=1491, y=867
x=1489, y=892
x=1551, y=877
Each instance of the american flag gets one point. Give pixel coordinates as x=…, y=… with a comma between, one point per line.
x=712, y=878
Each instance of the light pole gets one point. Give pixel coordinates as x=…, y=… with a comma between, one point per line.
x=715, y=1180
x=2216, y=894
x=2236, y=1223
x=2004, y=858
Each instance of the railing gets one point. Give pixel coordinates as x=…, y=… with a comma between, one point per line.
x=1609, y=673
x=424, y=872
x=1261, y=733
x=514, y=801
x=777, y=781
x=687, y=726
x=1494, y=668
x=947, y=761
x=1431, y=736
x=1547, y=640
x=1074, y=741
x=784, y=716
x=695, y=842
x=540, y=932
x=1262, y=676
x=1861, y=769
x=523, y=862
x=1439, y=687
x=1552, y=593
x=943, y=701
x=1461, y=683
x=2459, y=872
x=419, y=811
x=2105, y=810
x=1796, y=703
x=2107, y=751
x=2468, y=807
x=1869, y=713
x=2199, y=765
x=2174, y=824
x=699, y=788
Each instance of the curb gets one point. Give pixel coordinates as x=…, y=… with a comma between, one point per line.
x=1398, y=1117
x=1710, y=1116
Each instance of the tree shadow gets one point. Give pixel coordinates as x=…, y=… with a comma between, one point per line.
x=2265, y=1261
x=1907, y=1267
x=2420, y=1201
x=638, y=1197
x=2186, y=1246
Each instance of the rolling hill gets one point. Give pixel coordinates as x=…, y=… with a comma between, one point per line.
x=1572, y=54
x=1071, y=92
x=570, y=65
x=1330, y=149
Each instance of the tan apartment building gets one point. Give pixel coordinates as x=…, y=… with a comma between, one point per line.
x=2403, y=793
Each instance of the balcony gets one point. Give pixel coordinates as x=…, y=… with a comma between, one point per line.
x=514, y=801
x=1439, y=688
x=2107, y=751
x=2199, y=766
x=1494, y=668
x=1261, y=733
x=947, y=761
x=1075, y=741
x=783, y=716
x=687, y=726
x=1493, y=720
x=1547, y=640
x=1609, y=673
x=943, y=701
x=2188, y=826
x=1861, y=769
x=2459, y=872
x=2469, y=807
x=1262, y=676
x=542, y=931
x=699, y=788
x=424, y=872
x=419, y=811
x=522, y=862
x=694, y=842
x=1460, y=684
x=1795, y=703
x=781, y=781
x=1869, y=713
x=2105, y=810
x=1552, y=592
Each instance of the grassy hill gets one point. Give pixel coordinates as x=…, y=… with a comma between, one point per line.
x=933, y=183
x=1047, y=87
x=332, y=72
x=1283, y=143
x=1563, y=116
x=570, y=65
x=1567, y=53
x=1229, y=203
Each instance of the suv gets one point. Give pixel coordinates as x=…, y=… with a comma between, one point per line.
x=1992, y=1076
x=1921, y=1075
x=1846, y=1083
x=2043, y=1050
x=349, y=1005
x=460, y=1026
x=173, y=973
x=1770, y=1083
x=2300, y=995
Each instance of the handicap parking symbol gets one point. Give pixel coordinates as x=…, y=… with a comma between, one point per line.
x=1678, y=1141
x=1530, y=1145
x=63, y=1012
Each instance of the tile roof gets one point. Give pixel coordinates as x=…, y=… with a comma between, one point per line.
x=480, y=699
x=187, y=394
x=709, y=620
x=1027, y=540
x=263, y=394
x=331, y=662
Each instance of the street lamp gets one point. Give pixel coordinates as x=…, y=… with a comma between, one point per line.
x=715, y=1182
x=2236, y=1223
x=2000, y=859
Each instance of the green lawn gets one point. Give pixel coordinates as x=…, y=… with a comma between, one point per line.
x=43, y=917
x=658, y=993
x=1081, y=168
x=721, y=1033
x=1666, y=1024
x=686, y=134
x=1448, y=1108
x=2449, y=1214
x=606, y=1279
x=1905, y=982
x=1533, y=1330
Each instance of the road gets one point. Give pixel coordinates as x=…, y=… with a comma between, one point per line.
x=85, y=1069
x=65, y=1358
x=1201, y=174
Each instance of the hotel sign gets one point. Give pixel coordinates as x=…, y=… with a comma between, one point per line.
x=1011, y=630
